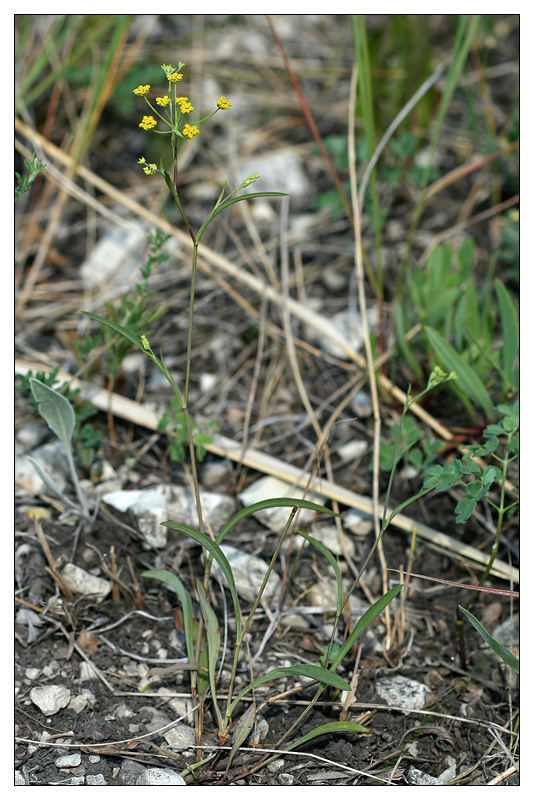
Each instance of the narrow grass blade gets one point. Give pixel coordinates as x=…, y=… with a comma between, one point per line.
x=467, y=379
x=329, y=727
x=510, y=331
x=365, y=620
x=305, y=670
x=174, y=582
x=214, y=645
x=56, y=411
x=221, y=560
x=52, y=485
x=242, y=729
x=277, y=502
x=332, y=561
x=497, y=648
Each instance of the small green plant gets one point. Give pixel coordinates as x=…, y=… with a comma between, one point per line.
x=460, y=322
x=86, y=438
x=34, y=168
x=173, y=423
x=408, y=439
x=59, y=415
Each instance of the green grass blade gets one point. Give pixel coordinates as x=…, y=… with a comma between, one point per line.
x=221, y=560
x=305, y=670
x=365, y=620
x=242, y=729
x=329, y=727
x=117, y=328
x=174, y=582
x=497, y=648
x=276, y=502
x=214, y=645
x=467, y=379
x=332, y=561
x=510, y=331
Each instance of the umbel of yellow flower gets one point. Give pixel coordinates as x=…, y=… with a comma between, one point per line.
x=190, y=131
x=223, y=103
x=185, y=105
x=142, y=90
x=163, y=101
x=147, y=123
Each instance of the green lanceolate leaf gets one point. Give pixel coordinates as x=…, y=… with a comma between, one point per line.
x=214, y=644
x=332, y=561
x=117, y=328
x=277, y=502
x=497, y=648
x=242, y=729
x=365, y=620
x=171, y=580
x=468, y=381
x=221, y=560
x=55, y=409
x=329, y=727
x=305, y=670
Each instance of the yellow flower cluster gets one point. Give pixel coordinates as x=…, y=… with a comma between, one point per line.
x=185, y=105
x=174, y=77
x=223, y=103
x=142, y=90
x=147, y=123
x=190, y=131
x=163, y=101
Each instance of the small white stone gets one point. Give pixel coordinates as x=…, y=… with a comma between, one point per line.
x=249, y=572
x=32, y=673
x=159, y=777
x=81, y=582
x=50, y=699
x=68, y=761
x=330, y=537
x=180, y=736
x=276, y=518
x=403, y=692
x=96, y=780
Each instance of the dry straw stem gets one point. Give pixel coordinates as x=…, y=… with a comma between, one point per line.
x=254, y=459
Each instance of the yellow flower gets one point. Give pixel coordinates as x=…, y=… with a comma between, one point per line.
x=144, y=342
x=163, y=101
x=142, y=90
x=223, y=103
x=150, y=169
x=175, y=77
x=190, y=131
x=185, y=105
x=147, y=123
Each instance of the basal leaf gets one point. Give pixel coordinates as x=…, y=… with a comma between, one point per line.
x=174, y=582
x=497, y=648
x=56, y=411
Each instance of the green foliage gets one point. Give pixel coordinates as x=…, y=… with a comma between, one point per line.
x=174, y=424
x=323, y=674
x=404, y=437
x=133, y=312
x=58, y=414
x=34, y=169
x=461, y=321
x=504, y=654
x=85, y=437
x=501, y=446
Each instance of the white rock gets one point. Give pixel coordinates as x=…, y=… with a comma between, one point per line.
x=402, y=692
x=418, y=778
x=180, y=736
x=159, y=777
x=329, y=536
x=19, y=778
x=249, y=572
x=276, y=518
x=32, y=673
x=115, y=259
x=161, y=503
x=348, y=323
x=54, y=462
x=50, y=699
x=67, y=761
x=358, y=522
x=81, y=582
x=352, y=450
x=95, y=780
x=280, y=171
